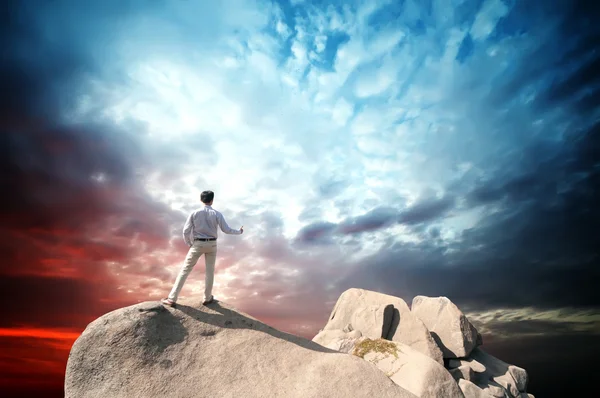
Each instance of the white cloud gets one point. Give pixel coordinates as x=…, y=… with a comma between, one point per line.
x=374, y=146
x=487, y=18
x=385, y=42
x=372, y=119
x=320, y=43
x=283, y=29
x=342, y=111
x=374, y=83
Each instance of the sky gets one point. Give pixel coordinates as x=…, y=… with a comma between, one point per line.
x=439, y=148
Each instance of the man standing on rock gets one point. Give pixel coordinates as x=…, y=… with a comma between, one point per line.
x=200, y=234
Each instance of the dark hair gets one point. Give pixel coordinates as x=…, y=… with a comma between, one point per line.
x=207, y=196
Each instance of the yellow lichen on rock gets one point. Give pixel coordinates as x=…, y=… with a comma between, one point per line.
x=379, y=345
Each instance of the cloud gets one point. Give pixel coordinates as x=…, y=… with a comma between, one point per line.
x=342, y=111
x=426, y=210
x=524, y=322
x=377, y=219
x=317, y=232
x=331, y=188
x=487, y=18
x=373, y=220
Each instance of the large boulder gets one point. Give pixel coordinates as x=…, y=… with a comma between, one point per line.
x=498, y=371
x=520, y=376
x=328, y=337
x=476, y=373
x=470, y=362
x=148, y=350
x=402, y=326
x=409, y=368
x=373, y=321
x=495, y=390
x=471, y=390
x=463, y=372
x=496, y=377
x=337, y=340
x=450, y=328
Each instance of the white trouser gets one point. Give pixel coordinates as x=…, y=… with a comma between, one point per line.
x=209, y=249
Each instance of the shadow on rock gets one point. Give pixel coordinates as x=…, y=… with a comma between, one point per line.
x=230, y=319
x=156, y=330
x=393, y=324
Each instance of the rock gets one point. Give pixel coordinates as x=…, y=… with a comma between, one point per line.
x=473, y=364
x=149, y=350
x=497, y=371
x=462, y=372
x=488, y=373
x=409, y=368
x=470, y=390
x=325, y=337
x=329, y=337
x=507, y=383
x=450, y=328
x=404, y=327
x=520, y=377
x=373, y=321
x=479, y=340
x=525, y=395
x=372, y=317
x=345, y=345
x=494, y=390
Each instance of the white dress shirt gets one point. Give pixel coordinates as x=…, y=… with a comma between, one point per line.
x=204, y=223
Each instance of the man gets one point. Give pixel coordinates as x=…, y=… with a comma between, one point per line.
x=200, y=233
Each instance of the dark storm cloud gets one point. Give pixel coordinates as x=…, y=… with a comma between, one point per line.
x=427, y=210
x=48, y=45
x=371, y=221
x=587, y=75
x=550, y=212
x=516, y=189
x=539, y=249
x=45, y=52
x=64, y=184
x=410, y=270
x=379, y=218
x=531, y=327
x=56, y=302
x=565, y=58
x=316, y=233
x=63, y=181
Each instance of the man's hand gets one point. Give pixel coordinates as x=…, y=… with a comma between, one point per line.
x=242, y=229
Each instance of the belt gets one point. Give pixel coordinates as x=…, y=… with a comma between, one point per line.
x=205, y=239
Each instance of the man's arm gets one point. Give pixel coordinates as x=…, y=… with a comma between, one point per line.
x=225, y=228
x=187, y=230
